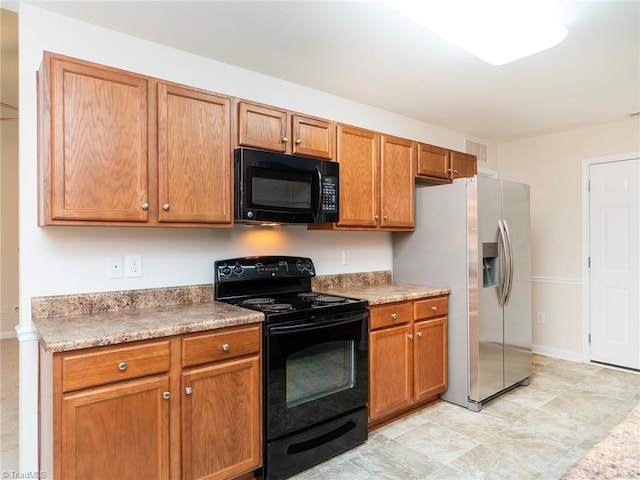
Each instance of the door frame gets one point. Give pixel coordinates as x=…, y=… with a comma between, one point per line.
x=586, y=245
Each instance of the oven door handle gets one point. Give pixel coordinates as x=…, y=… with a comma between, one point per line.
x=325, y=323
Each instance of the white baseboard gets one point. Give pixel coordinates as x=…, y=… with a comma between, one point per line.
x=557, y=353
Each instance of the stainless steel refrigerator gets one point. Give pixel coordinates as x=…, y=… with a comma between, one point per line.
x=473, y=236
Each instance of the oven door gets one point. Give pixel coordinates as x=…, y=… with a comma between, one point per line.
x=316, y=369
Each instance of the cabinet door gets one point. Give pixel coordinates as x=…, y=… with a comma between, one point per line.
x=263, y=127
x=94, y=150
x=463, y=165
x=116, y=431
x=433, y=161
x=313, y=137
x=221, y=420
x=390, y=370
x=358, y=154
x=397, y=183
x=430, y=358
x=194, y=156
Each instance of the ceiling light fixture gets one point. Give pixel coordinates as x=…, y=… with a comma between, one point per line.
x=497, y=31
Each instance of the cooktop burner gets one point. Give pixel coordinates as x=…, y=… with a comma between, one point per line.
x=280, y=287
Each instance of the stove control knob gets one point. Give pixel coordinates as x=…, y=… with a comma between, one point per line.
x=237, y=269
x=308, y=265
x=226, y=270
x=300, y=265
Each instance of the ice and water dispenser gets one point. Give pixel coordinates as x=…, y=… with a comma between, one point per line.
x=489, y=264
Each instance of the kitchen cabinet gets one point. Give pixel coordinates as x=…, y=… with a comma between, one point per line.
x=376, y=181
x=221, y=419
x=186, y=406
x=270, y=128
x=118, y=148
x=408, y=356
x=194, y=156
x=440, y=165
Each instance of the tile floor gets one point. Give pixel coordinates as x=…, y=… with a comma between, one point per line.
x=534, y=432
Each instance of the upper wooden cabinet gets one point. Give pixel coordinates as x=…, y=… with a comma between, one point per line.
x=269, y=128
x=376, y=181
x=194, y=156
x=117, y=148
x=440, y=165
x=93, y=143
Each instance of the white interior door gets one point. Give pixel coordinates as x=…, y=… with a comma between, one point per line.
x=614, y=218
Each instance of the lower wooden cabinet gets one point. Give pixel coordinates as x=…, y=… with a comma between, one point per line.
x=408, y=356
x=221, y=420
x=181, y=407
x=116, y=431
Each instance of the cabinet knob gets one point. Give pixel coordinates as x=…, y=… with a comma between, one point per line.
x=386, y=217
x=394, y=315
x=419, y=334
x=449, y=170
x=285, y=139
x=298, y=141
x=455, y=171
x=188, y=390
x=165, y=207
x=376, y=217
x=122, y=366
x=145, y=206
x=434, y=308
x=226, y=347
x=410, y=336
x=166, y=395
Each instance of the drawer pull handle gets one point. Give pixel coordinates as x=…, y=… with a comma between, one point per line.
x=166, y=395
x=226, y=347
x=434, y=308
x=188, y=390
x=394, y=315
x=122, y=366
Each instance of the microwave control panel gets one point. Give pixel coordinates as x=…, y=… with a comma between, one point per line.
x=329, y=195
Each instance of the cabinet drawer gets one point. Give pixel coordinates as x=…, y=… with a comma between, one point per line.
x=392, y=314
x=112, y=364
x=430, y=307
x=213, y=347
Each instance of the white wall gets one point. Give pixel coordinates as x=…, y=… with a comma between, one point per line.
x=552, y=165
x=64, y=260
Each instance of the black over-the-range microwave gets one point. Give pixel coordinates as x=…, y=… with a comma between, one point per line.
x=272, y=187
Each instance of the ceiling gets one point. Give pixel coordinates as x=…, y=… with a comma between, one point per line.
x=367, y=52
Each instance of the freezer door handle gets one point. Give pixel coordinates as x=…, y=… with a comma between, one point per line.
x=504, y=265
x=509, y=284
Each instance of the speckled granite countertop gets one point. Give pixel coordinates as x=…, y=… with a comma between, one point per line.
x=74, y=332
x=616, y=456
x=387, y=293
x=73, y=322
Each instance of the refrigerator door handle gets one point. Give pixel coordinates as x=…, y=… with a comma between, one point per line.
x=504, y=265
x=509, y=284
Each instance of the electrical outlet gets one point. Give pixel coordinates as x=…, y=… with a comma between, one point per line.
x=133, y=265
x=114, y=267
x=540, y=318
x=346, y=257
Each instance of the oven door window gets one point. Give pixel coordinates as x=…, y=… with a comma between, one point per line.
x=319, y=371
x=315, y=374
x=281, y=190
